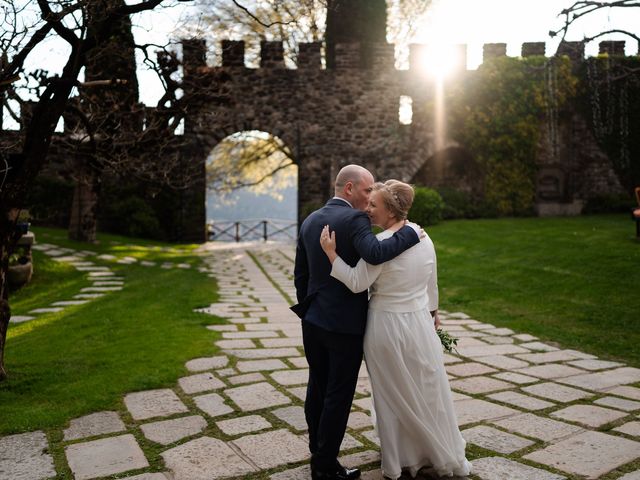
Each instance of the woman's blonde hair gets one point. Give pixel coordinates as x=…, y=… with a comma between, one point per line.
x=397, y=197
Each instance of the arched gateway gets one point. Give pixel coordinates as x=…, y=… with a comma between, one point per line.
x=348, y=113
x=328, y=117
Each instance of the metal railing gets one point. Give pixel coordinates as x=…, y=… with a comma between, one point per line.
x=251, y=229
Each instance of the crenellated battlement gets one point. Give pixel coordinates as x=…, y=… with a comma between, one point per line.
x=380, y=56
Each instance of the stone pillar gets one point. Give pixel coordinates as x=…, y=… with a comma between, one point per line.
x=612, y=48
x=532, y=49
x=493, y=50
x=309, y=55
x=271, y=55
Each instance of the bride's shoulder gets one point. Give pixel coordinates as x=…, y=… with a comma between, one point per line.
x=419, y=230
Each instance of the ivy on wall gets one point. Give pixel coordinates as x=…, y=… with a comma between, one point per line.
x=498, y=114
x=609, y=97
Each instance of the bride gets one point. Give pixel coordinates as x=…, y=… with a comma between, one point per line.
x=414, y=414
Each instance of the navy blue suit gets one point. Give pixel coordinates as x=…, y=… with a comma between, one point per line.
x=334, y=318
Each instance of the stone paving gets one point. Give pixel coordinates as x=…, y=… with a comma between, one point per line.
x=528, y=410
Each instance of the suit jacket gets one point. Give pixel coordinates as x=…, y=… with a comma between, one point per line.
x=323, y=300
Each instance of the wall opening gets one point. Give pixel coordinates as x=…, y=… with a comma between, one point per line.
x=252, y=188
x=405, y=111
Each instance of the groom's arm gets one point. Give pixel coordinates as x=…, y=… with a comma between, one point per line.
x=374, y=251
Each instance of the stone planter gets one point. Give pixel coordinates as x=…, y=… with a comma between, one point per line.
x=19, y=275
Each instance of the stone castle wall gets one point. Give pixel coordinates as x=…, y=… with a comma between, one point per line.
x=349, y=114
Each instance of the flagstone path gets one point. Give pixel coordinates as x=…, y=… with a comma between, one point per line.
x=529, y=410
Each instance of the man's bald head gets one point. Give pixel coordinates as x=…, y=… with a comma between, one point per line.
x=354, y=183
x=350, y=173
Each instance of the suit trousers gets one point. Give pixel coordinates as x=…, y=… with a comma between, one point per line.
x=334, y=362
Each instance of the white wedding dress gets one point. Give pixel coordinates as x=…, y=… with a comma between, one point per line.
x=414, y=414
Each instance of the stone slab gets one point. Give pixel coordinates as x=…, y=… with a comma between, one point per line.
x=291, y=377
x=550, y=371
x=257, y=353
x=293, y=415
x=479, y=385
x=594, y=364
x=23, y=457
x=469, y=369
x=519, y=400
x=169, y=431
x=625, y=391
x=223, y=328
x=525, y=337
x=589, y=415
x=107, y=456
x=619, y=403
x=590, y=454
x=245, y=335
x=298, y=392
x=21, y=318
x=502, y=362
x=94, y=424
x=260, y=365
x=498, y=468
x=153, y=403
x=537, y=427
x=359, y=420
x=498, y=331
x=559, y=393
x=246, y=424
x=150, y=476
x=256, y=396
x=548, y=357
x=67, y=303
x=490, y=350
x=475, y=410
x=282, y=342
x=207, y=363
x=246, y=378
x=515, y=378
x=260, y=448
x=495, y=440
x=47, y=310
x=89, y=295
x=212, y=404
x=299, y=362
x=630, y=428
x=240, y=343
x=205, y=458
x=200, y=382
x=631, y=476
x=497, y=340
x=605, y=379
x=539, y=346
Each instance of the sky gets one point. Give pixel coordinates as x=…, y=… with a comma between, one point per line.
x=472, y=22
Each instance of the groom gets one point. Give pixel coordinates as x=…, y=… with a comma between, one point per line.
x=334, y=318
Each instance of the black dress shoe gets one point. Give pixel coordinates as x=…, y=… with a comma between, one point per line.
x=339, y=473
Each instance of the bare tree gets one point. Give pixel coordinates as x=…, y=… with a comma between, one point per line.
x=97, y=138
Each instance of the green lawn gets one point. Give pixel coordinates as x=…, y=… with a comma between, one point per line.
x=575, y=281
x=84, y=359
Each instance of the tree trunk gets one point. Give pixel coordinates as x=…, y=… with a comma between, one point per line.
x=82, y=225
x=8, y=239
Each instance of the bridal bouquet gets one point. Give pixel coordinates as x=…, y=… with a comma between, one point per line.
x=449, y=343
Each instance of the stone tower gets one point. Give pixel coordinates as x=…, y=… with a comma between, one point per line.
x=355, y=21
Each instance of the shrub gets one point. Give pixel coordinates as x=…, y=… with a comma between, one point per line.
x=609, y=204
x=131, y=216
x=427, y=207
